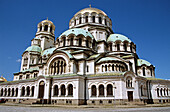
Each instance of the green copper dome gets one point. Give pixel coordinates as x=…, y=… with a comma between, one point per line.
x=76, y=32
x=34, y=49
x=115, y=37
x=141, y=62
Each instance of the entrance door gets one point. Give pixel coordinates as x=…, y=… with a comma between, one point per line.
x=130, y=95
x=41, y=89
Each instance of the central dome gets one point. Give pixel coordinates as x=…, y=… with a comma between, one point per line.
x=90, y=10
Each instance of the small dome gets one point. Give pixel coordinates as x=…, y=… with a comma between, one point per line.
x=46, y=21
x=115, y=37
x=90, y=10
x=76, y=32
x=141, y=62
x=34, y=49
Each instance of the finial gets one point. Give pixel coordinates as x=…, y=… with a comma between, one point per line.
x=47, y=18
x=90, y=5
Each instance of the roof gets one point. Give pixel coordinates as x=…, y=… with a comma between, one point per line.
x=34, y=48
x=107, y=74
x=76, y=32
x=150, y=78
x=115, y=37
x=141, y=62
x=91, y=10
x=105, y=59
x=2, y=79
x=94, y=56
x=48, y=51
x=30, y=70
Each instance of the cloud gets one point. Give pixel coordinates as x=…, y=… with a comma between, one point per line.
x=18, y=60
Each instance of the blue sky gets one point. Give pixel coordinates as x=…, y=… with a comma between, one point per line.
x=145, y=22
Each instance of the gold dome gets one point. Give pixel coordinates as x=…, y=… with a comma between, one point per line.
x=47, y=21
x=90, y=10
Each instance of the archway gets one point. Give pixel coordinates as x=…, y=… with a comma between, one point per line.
x=41, y=89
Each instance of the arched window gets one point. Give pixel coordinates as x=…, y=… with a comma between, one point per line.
x=5, y=91
x=51, y=29
x=164, y=92
x=86, y=19
x=129, y=82
x=80, y=20
x=28, y=91
x=2, y=92
x=151, y=71
x=71, y=41
x=141, y=90
x=118, y=47
x=87, y=68
x=46, y=28
x=35, y=75
x=64, y=41
x=16, y=92
x=113, y=67
x=87, y=43
x=105, y=67
x=167, y=92
x=143, y=71
x=109, y=90
x=23, y=91
x=9, y=90
x=75, y=22
x=40, y=28
x=102, y=68
x=55, y=90
x=100, y=20
x=101, y=90
x=63, y=90
x=93, y=19
x=110, y=46
x=12, y=91
x=125, y=46
x=157, y=91
x=105, y=22
x=32, y=89
x=70, y=89
x=20, y=77
x=93, y=89
x=80, y=42
x=27, y=76
x=161, y=91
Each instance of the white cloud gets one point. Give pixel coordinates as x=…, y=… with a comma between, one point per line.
x=18, y=60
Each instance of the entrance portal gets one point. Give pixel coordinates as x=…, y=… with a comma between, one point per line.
x=130, y=95
x=41, y=89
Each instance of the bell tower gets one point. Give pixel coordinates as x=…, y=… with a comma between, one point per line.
x=45, y=33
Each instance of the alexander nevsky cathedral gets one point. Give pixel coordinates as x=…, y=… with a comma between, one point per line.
x=87, y=64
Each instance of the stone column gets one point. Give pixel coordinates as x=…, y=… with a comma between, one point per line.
x=97, y=91
x=66, y=92
x=105, y=91
x=59, y=91
x=49, y=26
x=43, y=27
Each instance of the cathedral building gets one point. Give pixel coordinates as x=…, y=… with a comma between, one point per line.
x=86, y=64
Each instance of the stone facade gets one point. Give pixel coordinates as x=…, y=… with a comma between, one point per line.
x=87, y=64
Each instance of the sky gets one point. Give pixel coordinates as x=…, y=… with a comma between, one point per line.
x=145, y=22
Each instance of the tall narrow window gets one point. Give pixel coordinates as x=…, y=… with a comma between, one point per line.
x=40, y=28
x=86, y=19
x=167, y=92
x=46, y=28
x=64, y=41
x=2, y=92
x=23, y=91
x=80, y=20
x=87, y=68
x=63, y=90
x=144, y=71
x=87, y=43
x=32, y=89
x=118, y=47
x=151, y=71
x=9, y=91
x=70, y=89
x=16, y=92
x=101, y=90
x=93, y=19
x=141, y=89
x=157, y=91
x=75, y=22
x=125, y=46
x=111, y=47
x=55, y=90
x=105, y=67
x=93, y=89
x=105, y=22
x=80, y=41
x=113, y=67
x=28, y=91
x=51, y=29
x=161, y=91
x=109, y=90
x=71, y=41
x=102, y=68
x=100, y=20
